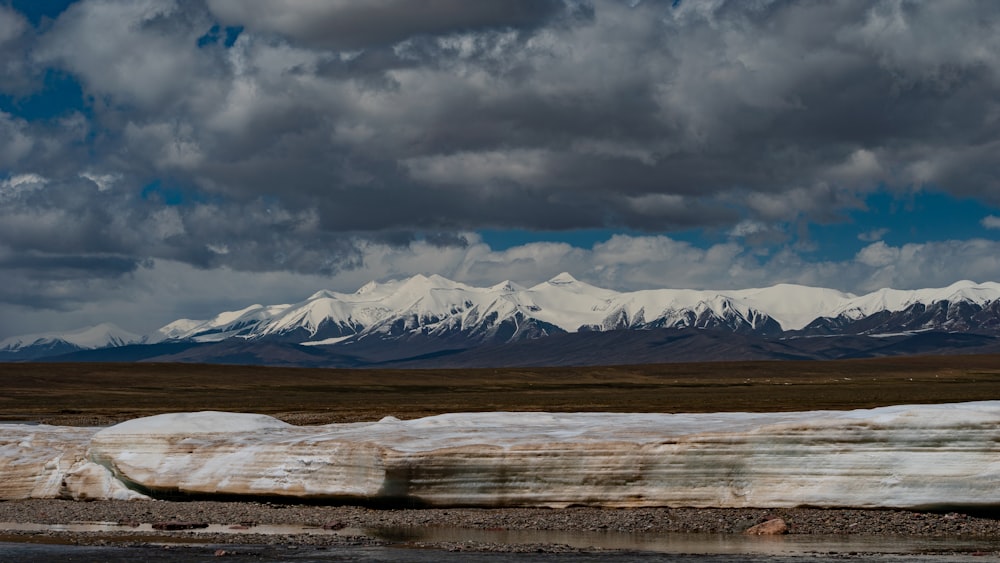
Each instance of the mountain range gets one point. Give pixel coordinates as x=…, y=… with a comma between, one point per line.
x=431, y=321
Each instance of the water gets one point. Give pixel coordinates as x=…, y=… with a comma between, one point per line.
x=39, y=553
x=641, y=547
x=702, y=544
x=114, y=527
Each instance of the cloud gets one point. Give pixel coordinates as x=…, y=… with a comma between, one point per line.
x=640, y=111
x=873, y=235
x=661, y=117
x=139, y=53
x=932, y=264
x=13, y=187
x=990, y=222
x=491, y=168
x=16, y=141
x=343, y=24
x=104, y=182
x=17, y=76
x=329, y=137
x=12, y=25
x=878, y=254
x=142, y=296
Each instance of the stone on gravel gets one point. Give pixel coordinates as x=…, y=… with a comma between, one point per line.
x=773, y=527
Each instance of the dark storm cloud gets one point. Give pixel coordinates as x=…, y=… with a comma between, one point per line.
x=61, y=239
x=66, y=267
x=345, y=24
x=326, y=125
x=700, y=101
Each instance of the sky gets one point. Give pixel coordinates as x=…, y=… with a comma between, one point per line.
x=164, y=159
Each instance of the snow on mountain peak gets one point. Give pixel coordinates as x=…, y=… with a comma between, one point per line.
x=223, y=325
x=414, y=286
x=100, y=336
x=563, y=278
x=506, y=286
x=366, y=289
x=434, y=281
x=230, y=316
x=431, y=303
x=434, y=305
x=966, y=290
x=103, y=335
x=793, y=306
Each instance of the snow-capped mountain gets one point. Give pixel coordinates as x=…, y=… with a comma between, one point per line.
x=104, y=335
x=435, y=306
x=963, y=306
x=505, y=312
x=427, y=317
x=225, y=325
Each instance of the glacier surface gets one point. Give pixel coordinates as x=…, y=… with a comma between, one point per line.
x=911, y=456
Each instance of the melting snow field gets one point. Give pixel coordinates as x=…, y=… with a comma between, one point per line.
x=912, y=456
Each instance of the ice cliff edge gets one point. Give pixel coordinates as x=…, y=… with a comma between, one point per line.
x=911, y=456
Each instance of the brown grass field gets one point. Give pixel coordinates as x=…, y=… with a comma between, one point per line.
x=97, y=394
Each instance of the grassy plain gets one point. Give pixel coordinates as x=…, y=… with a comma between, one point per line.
x=88, y=393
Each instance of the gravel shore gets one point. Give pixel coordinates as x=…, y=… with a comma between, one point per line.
x=247, y=515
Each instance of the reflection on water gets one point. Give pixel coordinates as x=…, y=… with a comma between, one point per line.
x=706, y=544
x=114, y=527
x=28, y=553
x=697, y=543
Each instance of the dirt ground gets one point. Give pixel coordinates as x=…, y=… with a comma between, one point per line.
x=97, y=394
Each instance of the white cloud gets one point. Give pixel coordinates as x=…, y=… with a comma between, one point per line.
x=878, y=254
x=12, y=24
x=127, y=48
x=861, y=168
x=990, y=222
x=477, y=169
x=20, y=183
x=816, y=200
x=104, y=182
x=218, y=248
x=931, y=264
x=639, y=262
x=873, y=235
x=23, y=181
x=747, y=227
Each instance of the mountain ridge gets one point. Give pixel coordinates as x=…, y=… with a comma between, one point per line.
x=427, y=315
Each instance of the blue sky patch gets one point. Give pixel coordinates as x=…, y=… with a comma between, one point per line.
x=60, y=95
x=37, y=10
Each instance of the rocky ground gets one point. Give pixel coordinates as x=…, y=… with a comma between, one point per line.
x=653, y=520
